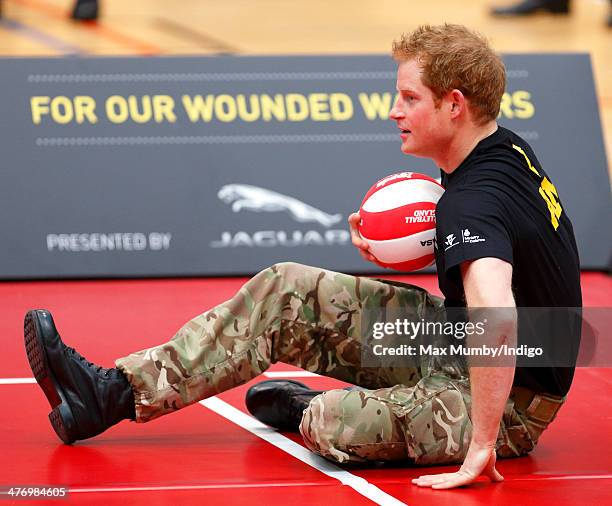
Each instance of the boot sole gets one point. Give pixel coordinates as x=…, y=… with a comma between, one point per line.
x=61, y=417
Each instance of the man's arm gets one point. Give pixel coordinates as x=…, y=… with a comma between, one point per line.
x=487, y=283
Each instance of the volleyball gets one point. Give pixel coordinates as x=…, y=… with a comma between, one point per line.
x=398, y=220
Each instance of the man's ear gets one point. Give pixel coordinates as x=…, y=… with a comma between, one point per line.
x=458, y=102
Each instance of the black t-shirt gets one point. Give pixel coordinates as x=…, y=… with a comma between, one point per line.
x=500, y=203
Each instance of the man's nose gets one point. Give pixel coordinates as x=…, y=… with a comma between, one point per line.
x=395, y=113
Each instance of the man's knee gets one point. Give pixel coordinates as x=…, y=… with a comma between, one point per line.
x=296, y=274
x=352, y=426
x=285, y=274
x=294, y=279
x=438, y=427
x=286, y=268
x=276, y=280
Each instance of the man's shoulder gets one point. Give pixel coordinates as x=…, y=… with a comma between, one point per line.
x=507, y=136
x=498, y=172
x=503, y=168
x=505, y=148
x=486, y=179
x=471, y=199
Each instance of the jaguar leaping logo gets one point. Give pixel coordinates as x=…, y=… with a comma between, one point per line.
x=254, y=198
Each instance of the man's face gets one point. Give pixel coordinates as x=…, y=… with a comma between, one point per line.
x=425, y=127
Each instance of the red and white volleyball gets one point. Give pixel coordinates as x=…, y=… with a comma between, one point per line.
x=398, y=220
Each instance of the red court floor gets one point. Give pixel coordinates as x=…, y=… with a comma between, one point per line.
x=212, y=453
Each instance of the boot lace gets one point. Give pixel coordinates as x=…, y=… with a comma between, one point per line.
x=98, y=368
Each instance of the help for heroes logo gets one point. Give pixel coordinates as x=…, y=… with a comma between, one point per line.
x=467, y=237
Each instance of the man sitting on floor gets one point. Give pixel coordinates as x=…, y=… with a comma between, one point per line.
x=449, y=84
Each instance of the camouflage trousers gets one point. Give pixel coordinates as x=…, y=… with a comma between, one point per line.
x=312, y=318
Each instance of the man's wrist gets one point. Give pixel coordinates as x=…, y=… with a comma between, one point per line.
x=481, y=441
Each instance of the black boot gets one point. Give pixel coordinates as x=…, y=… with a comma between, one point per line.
x=86, y=399
x=85, y=10
x=527, y=7
x=280, y=403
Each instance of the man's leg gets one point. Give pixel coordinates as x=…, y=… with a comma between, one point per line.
x=428, y=423
x=301, y=315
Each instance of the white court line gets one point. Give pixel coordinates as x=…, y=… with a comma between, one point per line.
x=222, y=486
x=236, y=416
x=360, y=485
x=16, y=381
x=268, y=432
x=291, y=374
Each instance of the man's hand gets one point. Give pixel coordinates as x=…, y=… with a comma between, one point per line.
x=479, y=461
x=363, y=247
